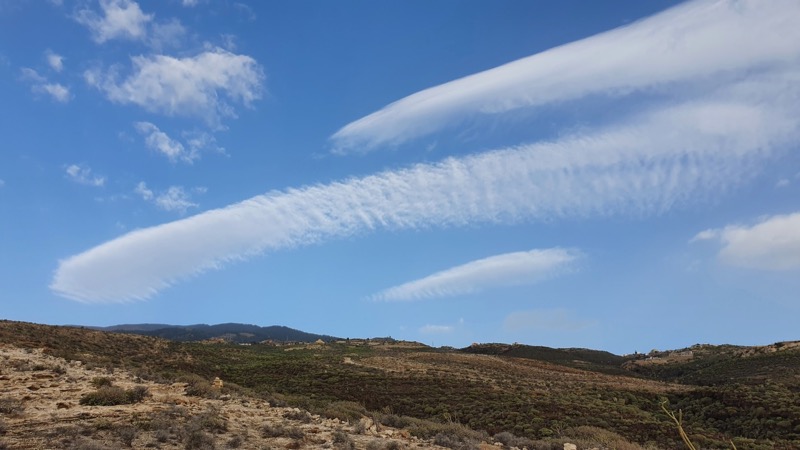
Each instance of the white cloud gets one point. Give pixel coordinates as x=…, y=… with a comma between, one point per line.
x=544, y=320
x=685, y=153
x=82, y=174
x=32, y=76
x=698, y=42
x=58, y=91
x=54, y=60
x=508, y=269
x=40, y=85
x=200, y=141
x=783, y=182
x=673, y=153
x=771, y=244
x=2, y=182
x=119, y=19
x=436, y=329
x=159, y=141
x=174, y=199
x=189, y=2
x=205, y=85
x=143, y=191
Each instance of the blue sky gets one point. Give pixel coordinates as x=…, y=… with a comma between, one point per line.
x=621, y=176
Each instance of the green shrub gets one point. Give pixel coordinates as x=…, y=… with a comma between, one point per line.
x=343, y=410
x=137, y=394
x=278, y=430
x=342, y=440
x=510, y=440
x=455, y=441
x=198, y=440
x=197, y=386
x=298, y=415
x=99, y=382
x=126, y=434
x=114, y=395
x=105, y=396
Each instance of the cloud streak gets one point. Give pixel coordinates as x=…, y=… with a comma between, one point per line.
x=157, y=140
x=647, y=165
x=688, y=44
x=771, y=244
x=508, y=269
x=672, y=153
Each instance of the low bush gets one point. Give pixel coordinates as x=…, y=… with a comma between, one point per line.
x=198, y=440
x=11, y=406
x=278, y=430
x=298, y=415
x=456, y=441
x=343, y=410
x=99, y=382
x=342, y=441
x=510, y=440
x=126, y=434
x=114, y=395
x=197, y=386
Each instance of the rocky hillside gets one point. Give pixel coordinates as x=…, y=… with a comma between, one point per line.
x=67, y=387
x=41, y=407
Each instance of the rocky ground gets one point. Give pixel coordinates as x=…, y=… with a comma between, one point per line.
x=40, y=409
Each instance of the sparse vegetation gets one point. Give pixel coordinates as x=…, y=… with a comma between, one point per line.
x=11, y=406
x=279, y=430
x=521, y=397
x=109, y=395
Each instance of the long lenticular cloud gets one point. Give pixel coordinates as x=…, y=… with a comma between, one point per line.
x=668, y=156
x=508, y=269
x=694, y=42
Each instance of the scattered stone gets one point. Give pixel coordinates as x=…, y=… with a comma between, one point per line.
x=217, y=383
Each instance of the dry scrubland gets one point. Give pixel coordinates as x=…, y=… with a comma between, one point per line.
x=64, y=387
x=40, y=402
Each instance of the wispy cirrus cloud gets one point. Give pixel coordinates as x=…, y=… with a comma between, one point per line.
x=174, y=199
x=508, y=269
x=206, y=85
x=689, y=44
x=157, y=140
x=771, y=244
x=117, y=19
x=647, y=165
x=82, y=174
x=684, y=150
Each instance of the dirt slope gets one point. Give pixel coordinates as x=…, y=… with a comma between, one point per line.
x=40, y=409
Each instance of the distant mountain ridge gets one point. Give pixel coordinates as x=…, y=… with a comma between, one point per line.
x=233, y=332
